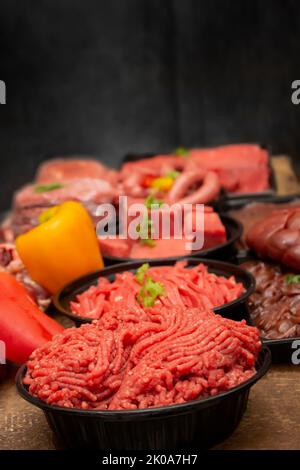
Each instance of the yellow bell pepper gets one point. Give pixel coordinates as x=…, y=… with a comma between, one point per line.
x=63, y=247
x=163, y=183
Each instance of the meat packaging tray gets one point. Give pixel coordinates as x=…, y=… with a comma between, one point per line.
x=223, y=251
x=281, y=349
x=234, y=309
x=199, y=423
x=257, y=196
x=227, y=196
x=133, y=157
x=226, y=205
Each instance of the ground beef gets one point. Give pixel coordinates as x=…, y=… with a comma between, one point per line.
x=184, y=286
x=133, y=359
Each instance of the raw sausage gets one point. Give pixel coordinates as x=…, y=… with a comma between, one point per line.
x=208, y=191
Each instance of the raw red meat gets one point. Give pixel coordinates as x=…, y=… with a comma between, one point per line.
x=65, y=169
x=85, y=180
x=21, y=220
x=231, y=156
x=183, y=286
x=192, y=185
x=163, y=248
x=214, y=234
x=275, y=305
x=278, y=237
x=241, y=168
x=117, y=247
x=158, y=164
x=181, y=192
x=28, y=203
x=133, y=359
x=214, y=230
x=83, y=190
x=11, y=263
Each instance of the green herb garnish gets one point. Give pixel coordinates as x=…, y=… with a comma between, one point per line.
x=148, y=242
x=151, y=201
x=144, y=230
x=173, y=174
x=181, y=152
x=141, y=272
x=145, y=227
x=292, y=279
x=44, y=188
x=149, y=292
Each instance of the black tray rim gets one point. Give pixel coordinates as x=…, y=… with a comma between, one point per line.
x=158, y=412
x=120, y=267
x=228, y=196
x=249, y=255
x=238, y=203
x=227, y=220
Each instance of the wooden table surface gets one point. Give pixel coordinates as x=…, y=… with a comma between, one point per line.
x=271, y=421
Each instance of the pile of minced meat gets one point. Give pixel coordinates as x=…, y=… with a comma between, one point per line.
x=129, y=360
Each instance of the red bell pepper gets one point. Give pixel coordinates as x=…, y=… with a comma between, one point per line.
x=23, y=326
x=147, y=181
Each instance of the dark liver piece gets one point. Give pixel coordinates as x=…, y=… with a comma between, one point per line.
x=275, y=305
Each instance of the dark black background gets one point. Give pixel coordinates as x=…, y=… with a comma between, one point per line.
x=108, y=77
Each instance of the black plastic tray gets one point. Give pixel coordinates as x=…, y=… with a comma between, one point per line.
x=234, y=231
x=135, y=157
x=195, y=424
x=281, y=349
x=235, y=204
x=235, y=309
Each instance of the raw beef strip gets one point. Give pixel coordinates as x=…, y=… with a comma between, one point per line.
x=61, y=169
x=86, y=189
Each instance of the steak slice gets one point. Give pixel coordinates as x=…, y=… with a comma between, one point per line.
x=28, y=203
x=86, y=189
x=63, y=169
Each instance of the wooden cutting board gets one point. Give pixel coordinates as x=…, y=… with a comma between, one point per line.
x=286, y=180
